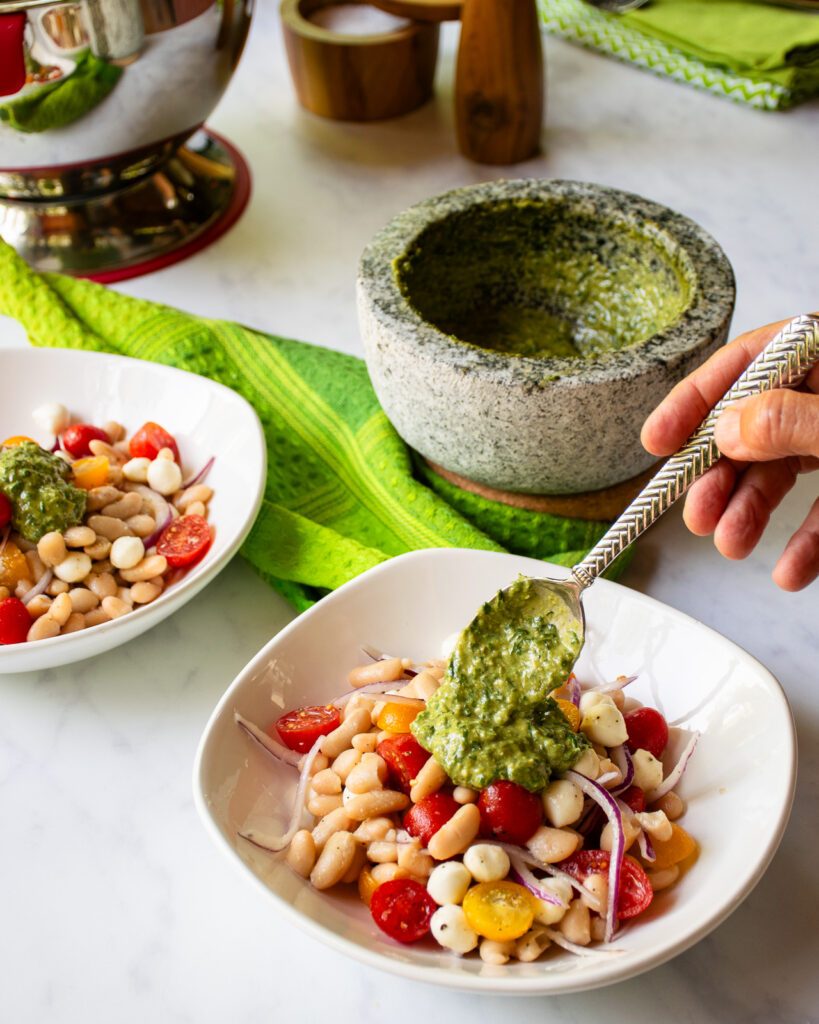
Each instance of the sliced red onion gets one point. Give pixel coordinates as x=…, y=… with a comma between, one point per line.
x=160, y=508
x=611, y=809
x=374, y=689
x=575, y=692
x=560, y=940
x=601, y=780
x=523, y=876
x=56, y=446
x=374, y=654
x=622, y=758
x=39, y=586
x=550, y=869
x=161, y=528
x=676, y=773
x=200, y=476
x=590, y=821
x=275, y=844
x=646, y=849
x=278, y=750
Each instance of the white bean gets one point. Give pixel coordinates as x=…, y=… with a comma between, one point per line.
x=335, y=821
x=79, y=537
x=387, y=671
x=429, y=780
x=456, y=834
x=341, y=738
x=136, y=470
x=376, y=804
x=302, y=853
x=551, y=845
x=334, y=860
x=496, y=953
x=73, y=568
x=576, y=923
x=531, y=945
x=126, y=552
x=51, y=548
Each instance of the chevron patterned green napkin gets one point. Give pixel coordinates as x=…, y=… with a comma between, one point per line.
x=342, y=494
x=750, y=52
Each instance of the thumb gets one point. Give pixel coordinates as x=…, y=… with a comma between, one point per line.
x=773, y=425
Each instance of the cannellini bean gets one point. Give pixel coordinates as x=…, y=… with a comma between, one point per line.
x=37, y=606
x=429, y=780
x=100, y=549
x=35, y=564
x=128, y=505
x=551, y=845
x=301, y=856
x=648, y=771
x=598, y=929
x=588, y=764
x=99, y=497
x=423, y=685
x=376, y=804
x=465, y=795
x=141, y=525
x=373, y=829
x=73, y=568
x=198, y=493
x=630, y=830
x=102, y=584
x=127, y=552
x=114, y=430
x=320, y=762
x=79, y=536
x=115, y=457
x=604, y=723
x=43, y=628
x=562, y=802
x=486, y=862
x=83, y=600
x=320, y=805
x=51, y=548
x=388, y=872
x=449, y=882
x=150, y=566
x=365, y=743
x=51, y=418
x=325, y=782
x=341, y=738
x=145, y=592
x=136, y=470
x=124, y=594
x=354, y=870
x=114, y=607
x=672, y=804
x=22, y=588
x=370, y=773
x=334, y=860
x=61, y=609
x=576, y=923
x=456, y=834
x=335, y=821
x=655, y=823
x=387, y=671
x=531, y=945
x=74, y=623
x=56, y=587
x=598, y=886
x=665, y=878
x=451, y=929
x=382, y=852
x=196, y=508
x=164, y=476
x=415, y=860
x=496, y=953
x=96, y=617
x=108, y=526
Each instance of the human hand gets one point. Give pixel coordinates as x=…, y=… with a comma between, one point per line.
x=767, y=441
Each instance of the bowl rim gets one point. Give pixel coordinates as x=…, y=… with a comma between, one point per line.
x=190, y=583
x=510, y=985
x=704, y=321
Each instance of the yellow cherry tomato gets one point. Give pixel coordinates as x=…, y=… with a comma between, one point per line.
x=91, y=472
x=570, y=712
x=499, y=910
x=366, y=886
x=13, y=566
x=668, y=852
x=12, y=442
x=397, y=717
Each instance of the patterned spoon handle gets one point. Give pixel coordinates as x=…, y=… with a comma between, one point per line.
x=783, y=363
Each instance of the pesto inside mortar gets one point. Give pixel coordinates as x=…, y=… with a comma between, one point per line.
x=545, y=279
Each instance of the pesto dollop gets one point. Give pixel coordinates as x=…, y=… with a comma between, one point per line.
x=36, y=484
x=493, y=717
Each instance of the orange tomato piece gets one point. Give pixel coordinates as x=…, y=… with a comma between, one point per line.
x=570, y=712
x=13, y=566
x=12, y=442
x=668, y=852
x=91, y=472
x=366, y=886
x=397, y=717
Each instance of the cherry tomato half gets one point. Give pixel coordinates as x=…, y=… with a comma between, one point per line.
x=186, y=541
x=509, y=812
x=647, y=730
x=635, y=888
x=402, y=908
x=15, y=621
x=405, y=757
x=633, y=797
x=77, y=438
x=300, y=729
x=425, y=818
x=6, y=511
x=149, y=440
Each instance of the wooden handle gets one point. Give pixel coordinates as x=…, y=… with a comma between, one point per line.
x=499, y=82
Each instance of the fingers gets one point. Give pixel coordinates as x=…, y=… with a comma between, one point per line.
x=708, y=498
x=799, y=564
x=774, y=425
x=759, y=491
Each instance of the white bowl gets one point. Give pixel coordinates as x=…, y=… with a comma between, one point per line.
x=206, y=419
x=739, y=784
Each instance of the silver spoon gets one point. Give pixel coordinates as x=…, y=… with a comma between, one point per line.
x=783, y=363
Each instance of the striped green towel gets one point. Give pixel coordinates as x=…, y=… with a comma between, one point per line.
x=750, y=52
x=342, y=494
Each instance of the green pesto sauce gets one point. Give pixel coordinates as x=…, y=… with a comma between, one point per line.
x=36, y=484
x=492, y=717
x=544, y=280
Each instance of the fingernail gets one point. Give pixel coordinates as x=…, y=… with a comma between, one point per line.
x=726, y=431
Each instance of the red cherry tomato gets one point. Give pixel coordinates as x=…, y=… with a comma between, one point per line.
x=15, y=621
x=6, y=511
x=635, y=888
x=402, y=908
x=300, y=729
x=405, y=757
x=186, y=541
x=647, y=730
x=633, y=797
x=509, y=812
x=77, y=438
x=149, y=440
x=425, y=818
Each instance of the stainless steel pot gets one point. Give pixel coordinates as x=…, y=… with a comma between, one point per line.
x=97, y=97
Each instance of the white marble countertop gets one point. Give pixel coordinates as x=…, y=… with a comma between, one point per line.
x=114, y=905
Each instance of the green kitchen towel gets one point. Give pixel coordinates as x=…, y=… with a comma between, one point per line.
x=56, y=104
x=747, y=51
x=341, y=494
